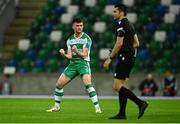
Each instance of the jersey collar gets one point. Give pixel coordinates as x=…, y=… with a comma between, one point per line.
x=119, y=22
x=79, y=36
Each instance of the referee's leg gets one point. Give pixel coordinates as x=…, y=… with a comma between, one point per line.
x=122, y=99
x=124, y=94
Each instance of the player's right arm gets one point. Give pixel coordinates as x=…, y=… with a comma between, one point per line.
x=69, y=52
x=68, y=55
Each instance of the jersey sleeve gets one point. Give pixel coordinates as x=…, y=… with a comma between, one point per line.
x=88, y=43
x=120, y=31
x=68, y=44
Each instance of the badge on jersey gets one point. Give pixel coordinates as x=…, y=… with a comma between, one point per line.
x=120, y=31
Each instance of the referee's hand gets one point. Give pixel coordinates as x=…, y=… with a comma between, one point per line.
x=107, y=63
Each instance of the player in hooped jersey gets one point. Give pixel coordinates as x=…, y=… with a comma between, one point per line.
x=78, y=51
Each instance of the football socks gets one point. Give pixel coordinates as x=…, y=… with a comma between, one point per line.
x=92, y=95
x=58, y=96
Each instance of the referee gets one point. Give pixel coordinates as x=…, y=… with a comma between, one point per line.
x=125, y=49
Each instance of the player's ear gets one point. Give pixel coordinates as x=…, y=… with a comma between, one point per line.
x=121, y=13
x=73, y=26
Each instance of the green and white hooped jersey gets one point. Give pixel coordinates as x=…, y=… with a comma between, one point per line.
x=84, y=41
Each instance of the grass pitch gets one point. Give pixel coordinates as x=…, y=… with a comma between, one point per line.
x=20, y=110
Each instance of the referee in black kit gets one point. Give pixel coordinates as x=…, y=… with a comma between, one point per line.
x=125, y=49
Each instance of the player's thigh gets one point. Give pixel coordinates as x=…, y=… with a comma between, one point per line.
x=63, y=80
x=85, y=72
x=71, y=71
x=86, y=79
x=84, y=68
x=118, y=83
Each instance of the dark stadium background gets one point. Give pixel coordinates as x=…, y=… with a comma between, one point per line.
x=32, y=32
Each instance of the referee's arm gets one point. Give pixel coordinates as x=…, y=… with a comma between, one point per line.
x=117, y=46
x=136, y=41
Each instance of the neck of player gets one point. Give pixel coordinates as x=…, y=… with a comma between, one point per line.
x=121, y=17
x=78, y=34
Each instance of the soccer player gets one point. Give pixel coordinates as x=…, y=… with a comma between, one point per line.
x=78, y=51
x=125, y=49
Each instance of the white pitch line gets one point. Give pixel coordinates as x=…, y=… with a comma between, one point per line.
x=83, y=97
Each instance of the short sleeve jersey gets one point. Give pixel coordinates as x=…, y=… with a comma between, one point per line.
x=126, y=30
x=84, y=41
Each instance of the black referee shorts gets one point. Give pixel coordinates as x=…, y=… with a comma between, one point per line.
x=124, y=66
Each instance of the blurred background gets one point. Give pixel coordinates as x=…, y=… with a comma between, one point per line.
x=33, y=31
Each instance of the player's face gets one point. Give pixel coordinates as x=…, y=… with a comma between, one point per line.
x=78, y=27
x=116, y=13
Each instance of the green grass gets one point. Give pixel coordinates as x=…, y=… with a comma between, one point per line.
x=82, y=111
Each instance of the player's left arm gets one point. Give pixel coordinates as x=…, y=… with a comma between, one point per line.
x=82, y=53
x=85, y=50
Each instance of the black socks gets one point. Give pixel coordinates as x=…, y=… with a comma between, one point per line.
x=122, y=105
x=128, y=94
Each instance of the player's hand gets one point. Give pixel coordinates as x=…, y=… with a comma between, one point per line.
x=74, y=49
x=62, y=52
x=107, y=63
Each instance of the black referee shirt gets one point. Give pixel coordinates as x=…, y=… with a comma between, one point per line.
x=126, y=30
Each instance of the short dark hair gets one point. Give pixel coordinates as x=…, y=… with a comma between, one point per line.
x=121, y=7
x=78, y=20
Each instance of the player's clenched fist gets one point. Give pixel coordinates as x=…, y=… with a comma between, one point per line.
x=62, y=51
x=74, y=49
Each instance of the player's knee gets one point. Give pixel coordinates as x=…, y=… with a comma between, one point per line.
x=86, y=79
x=87, y=82
x=59, y=85
x=62, y=81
